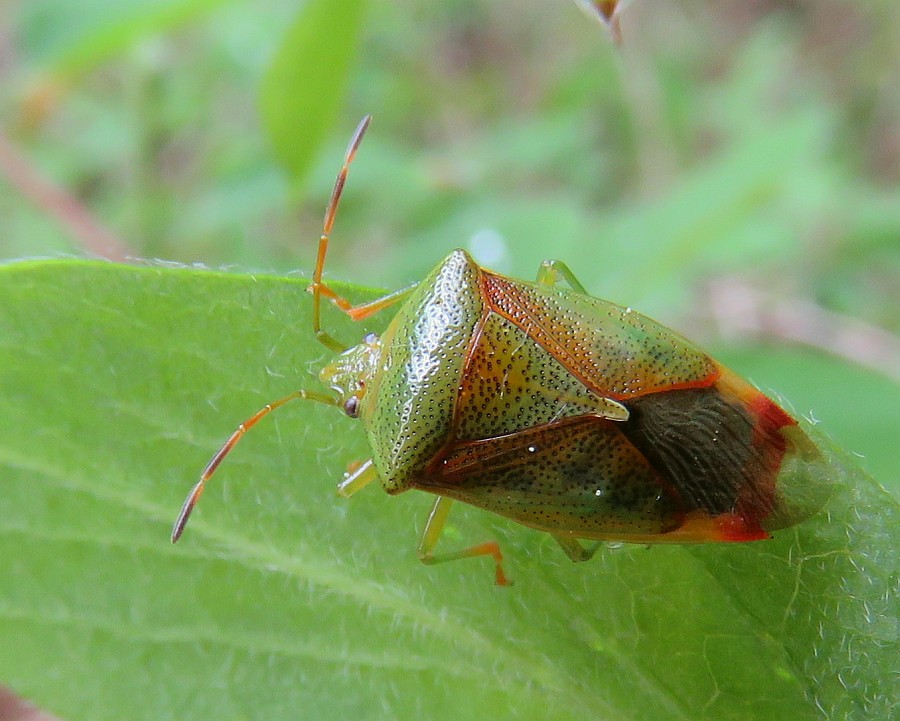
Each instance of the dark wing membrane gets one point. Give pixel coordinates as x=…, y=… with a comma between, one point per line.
x=577, y=475
x=716, y=453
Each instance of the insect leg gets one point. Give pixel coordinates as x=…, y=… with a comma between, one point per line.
x=364, y=310
x=574, y=549
x=357, y=479
x=232, y=441
x=437, y=518
x=552, y=272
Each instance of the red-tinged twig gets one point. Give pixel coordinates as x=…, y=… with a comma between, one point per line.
x=68, y=211
x=12, y=708
x=738, y=308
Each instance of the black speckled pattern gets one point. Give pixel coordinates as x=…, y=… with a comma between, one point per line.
x=578, y=475
x=426, y=344
x=510, y=383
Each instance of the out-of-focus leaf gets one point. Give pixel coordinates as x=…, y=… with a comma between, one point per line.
x=305, y=84
x=87, y=34
x=116, y=383
x=728, y=213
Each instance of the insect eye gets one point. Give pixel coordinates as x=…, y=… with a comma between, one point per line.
x=351, y=407
x=370, y=338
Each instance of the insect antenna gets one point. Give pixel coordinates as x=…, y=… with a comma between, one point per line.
x=232, y=441
x=318, y=289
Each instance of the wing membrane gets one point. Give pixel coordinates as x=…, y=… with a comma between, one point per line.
x=577, y=475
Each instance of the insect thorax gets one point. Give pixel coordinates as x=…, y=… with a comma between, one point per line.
x=409, y=403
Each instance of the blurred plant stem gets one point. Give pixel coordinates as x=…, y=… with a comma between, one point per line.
x=741, y=311
x=85, y=229
x=13, y=708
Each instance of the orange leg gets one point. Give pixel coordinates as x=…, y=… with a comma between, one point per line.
x=437, y=518
x=356, y=312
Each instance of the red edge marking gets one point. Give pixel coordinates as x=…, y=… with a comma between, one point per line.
x=774, y=415
x=770, y=418
x=735, y=527
x=767, y=436
x=560, y=354
x=700, y=527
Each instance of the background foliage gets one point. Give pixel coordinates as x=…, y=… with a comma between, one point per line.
x=751, y=142
x=733, y=171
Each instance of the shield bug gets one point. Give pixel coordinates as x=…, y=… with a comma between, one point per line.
x=560, y=411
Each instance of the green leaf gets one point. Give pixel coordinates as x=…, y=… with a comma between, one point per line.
x=283, y=601
x=727, y=213
x=305, y=84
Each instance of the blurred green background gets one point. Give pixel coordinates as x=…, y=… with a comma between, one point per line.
x=733, y=170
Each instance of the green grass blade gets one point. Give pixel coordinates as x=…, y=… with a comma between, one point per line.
x=305, y=84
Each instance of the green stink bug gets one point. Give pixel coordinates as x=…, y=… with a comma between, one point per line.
x=563, y=412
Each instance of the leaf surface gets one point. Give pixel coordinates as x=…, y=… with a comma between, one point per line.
x=283, y=601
